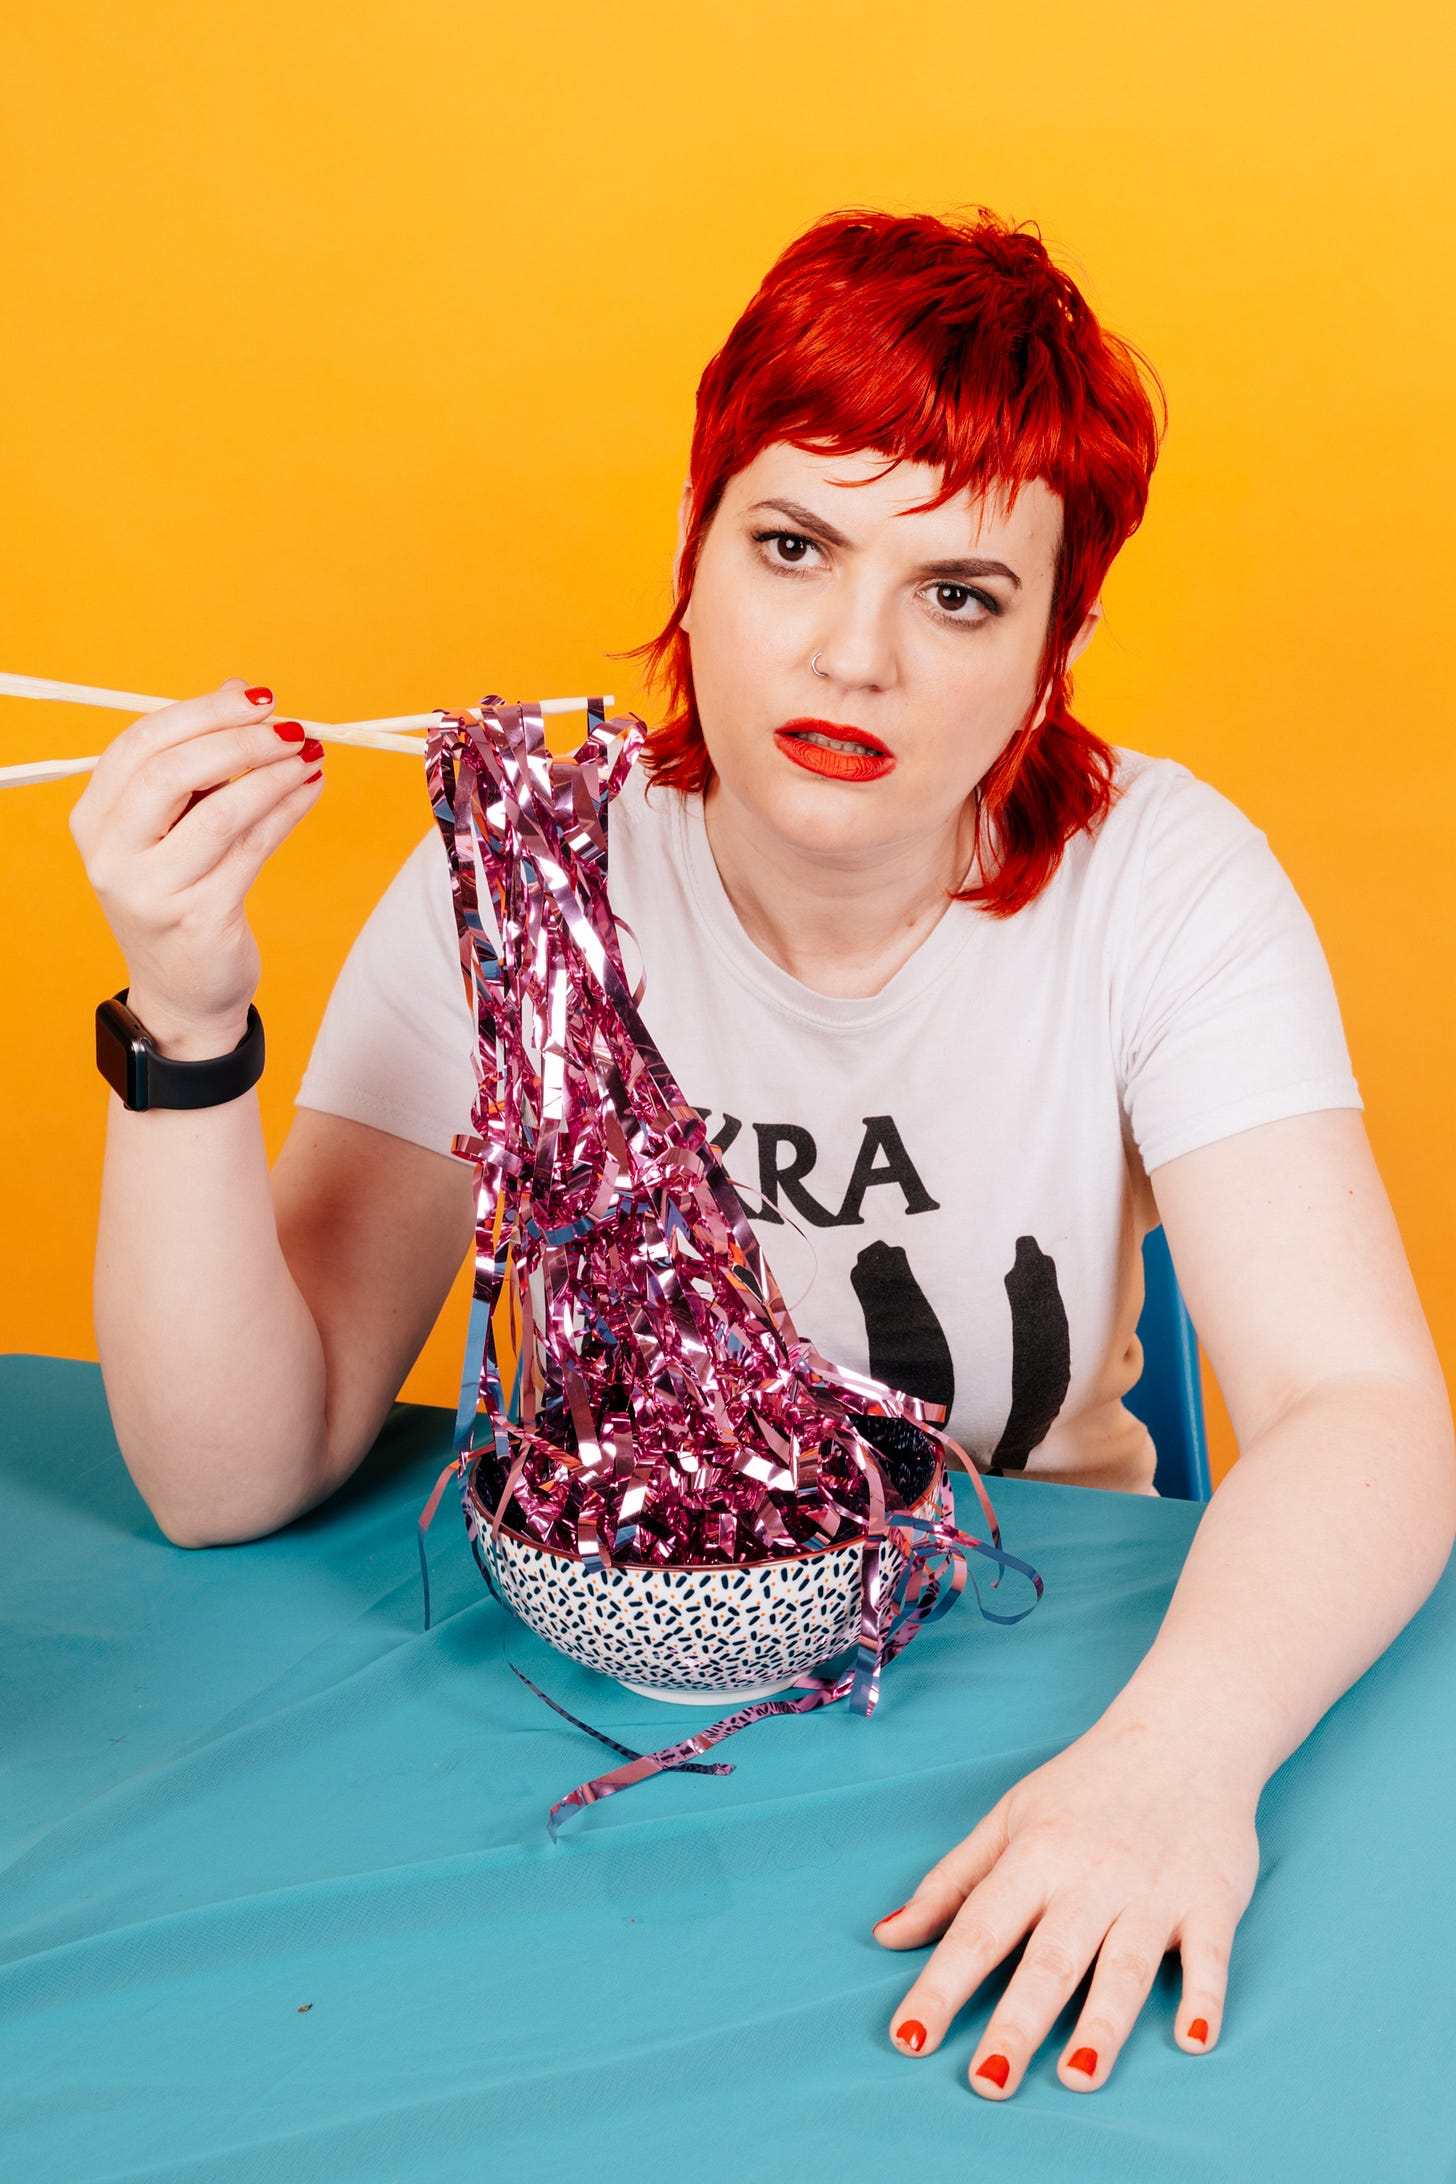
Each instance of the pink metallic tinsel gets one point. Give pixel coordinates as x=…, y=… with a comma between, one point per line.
x=665, y=1409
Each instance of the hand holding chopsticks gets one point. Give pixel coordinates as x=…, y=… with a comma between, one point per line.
x=391, y=734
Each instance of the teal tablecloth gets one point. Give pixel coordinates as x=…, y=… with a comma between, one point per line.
x=278, y=1899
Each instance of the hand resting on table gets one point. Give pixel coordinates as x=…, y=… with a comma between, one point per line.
x=1139, y=1837
x=1114, y=1849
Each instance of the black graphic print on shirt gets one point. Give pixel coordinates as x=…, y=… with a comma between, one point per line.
x=786, y=1153
x=908, y=1349
x=1041, y=1355
x=906, y=1343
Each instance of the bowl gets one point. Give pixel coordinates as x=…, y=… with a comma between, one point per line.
x=698, y=1633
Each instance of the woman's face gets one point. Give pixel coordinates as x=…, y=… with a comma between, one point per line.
x=929, y=630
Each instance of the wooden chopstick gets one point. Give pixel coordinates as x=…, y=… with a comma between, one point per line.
x=389, y=734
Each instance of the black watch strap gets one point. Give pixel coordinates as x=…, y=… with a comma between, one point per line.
x=143, y=1078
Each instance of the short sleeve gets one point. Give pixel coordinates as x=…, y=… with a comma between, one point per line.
x=396, y=1046
x=1227, y=1012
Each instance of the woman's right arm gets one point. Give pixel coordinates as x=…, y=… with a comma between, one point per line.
x=252, y=1331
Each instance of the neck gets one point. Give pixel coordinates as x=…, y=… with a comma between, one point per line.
x=842, y=923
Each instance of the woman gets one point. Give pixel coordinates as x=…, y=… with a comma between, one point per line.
x=971, y=999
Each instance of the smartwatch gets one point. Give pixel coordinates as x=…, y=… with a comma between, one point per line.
x=143, y=1078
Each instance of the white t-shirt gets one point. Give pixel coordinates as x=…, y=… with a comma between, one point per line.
x=949, y=1178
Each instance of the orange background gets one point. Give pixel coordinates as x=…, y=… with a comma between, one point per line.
x=353, y=350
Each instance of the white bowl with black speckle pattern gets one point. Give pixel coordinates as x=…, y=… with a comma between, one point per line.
x=704, y=1634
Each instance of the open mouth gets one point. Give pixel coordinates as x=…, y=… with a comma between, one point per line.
x=833, y=749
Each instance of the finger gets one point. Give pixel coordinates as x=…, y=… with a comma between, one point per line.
x=252, y=849
x=166, y=786
x=229, y=706
x=232, y=835
x=1205, y=1946
x=945, y=1887
x=1052, y=1967
x=193, y=800
x=989, y=1924
x=1127, y=1965
x=186, y=853
x=260, y=698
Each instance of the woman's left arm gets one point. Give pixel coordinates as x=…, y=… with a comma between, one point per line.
x=1139, y=1837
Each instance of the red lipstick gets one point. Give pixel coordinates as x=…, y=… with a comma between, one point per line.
x=867, y=759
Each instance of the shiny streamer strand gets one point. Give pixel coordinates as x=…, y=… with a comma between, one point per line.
x=664, y=1407
x=931, y=1593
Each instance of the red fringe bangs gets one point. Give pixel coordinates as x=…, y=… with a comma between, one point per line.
x=963, y=347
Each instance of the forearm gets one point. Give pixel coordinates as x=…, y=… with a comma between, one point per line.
x=1315, y=1552
x=213, y=1366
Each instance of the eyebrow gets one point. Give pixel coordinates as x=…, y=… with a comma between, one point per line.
x=815, y=527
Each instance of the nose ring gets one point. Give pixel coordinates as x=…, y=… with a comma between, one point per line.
x=818, y=670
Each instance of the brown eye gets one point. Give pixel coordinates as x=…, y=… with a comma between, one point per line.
x=971, y=608
x=791, y=548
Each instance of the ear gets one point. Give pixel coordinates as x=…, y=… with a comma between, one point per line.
x=1078, y=645
x=684, y=518
x=1084, y=635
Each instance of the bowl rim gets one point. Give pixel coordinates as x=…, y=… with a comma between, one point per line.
x=667, y=1569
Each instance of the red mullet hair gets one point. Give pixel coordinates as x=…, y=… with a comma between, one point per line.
x=961, y=346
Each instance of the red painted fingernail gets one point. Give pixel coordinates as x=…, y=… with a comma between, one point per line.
x=911, y=2035
x=892, y=1915
x=312, y=749
x=260, y=696
x=1198, y=2030
x=1084, y=2059
x=289, y=730
x=996, y=2068
x=313, y=777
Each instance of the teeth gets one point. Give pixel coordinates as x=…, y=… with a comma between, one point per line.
x=834, y=743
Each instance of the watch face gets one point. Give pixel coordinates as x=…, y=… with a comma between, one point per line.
x=143, y=1078
x=121, y=1053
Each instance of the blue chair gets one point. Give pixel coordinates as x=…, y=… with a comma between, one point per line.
x=1169, y=1396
